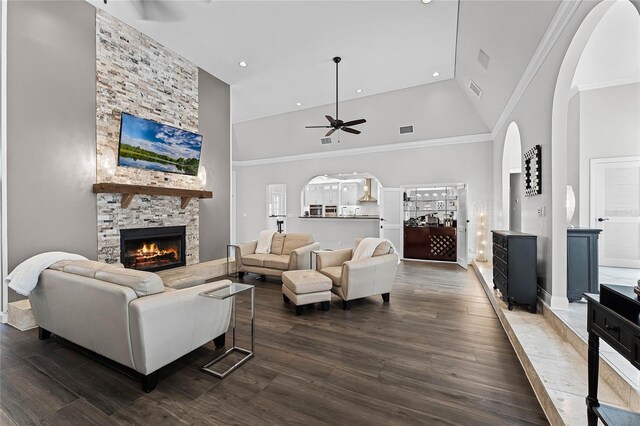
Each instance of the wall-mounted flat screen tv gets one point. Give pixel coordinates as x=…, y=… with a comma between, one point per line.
x=147, y=144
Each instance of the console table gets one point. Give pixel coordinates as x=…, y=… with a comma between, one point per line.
x=613, y=316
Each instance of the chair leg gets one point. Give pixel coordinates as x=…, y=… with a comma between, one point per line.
x=326, y=306
x=299, y=310
x=150, y=382
x=43, y=334
x=219, y=341
x=285, y=298
x=385, y=297
x=346, y=305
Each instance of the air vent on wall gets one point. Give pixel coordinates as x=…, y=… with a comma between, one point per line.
x=325, y=141
x=483, y=58
x=406, y=129
x=475, y=88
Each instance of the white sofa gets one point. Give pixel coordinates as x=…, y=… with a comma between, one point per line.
x=126, y=315
x=355, y=279
x=289, y=252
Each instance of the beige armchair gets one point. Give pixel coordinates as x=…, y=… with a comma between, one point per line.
x=355, y=279
x=289, y=252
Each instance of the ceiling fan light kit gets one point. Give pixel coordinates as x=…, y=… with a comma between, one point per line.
x=337, y=124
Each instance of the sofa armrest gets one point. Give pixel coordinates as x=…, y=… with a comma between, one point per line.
x=300, y=257
x=333, y=258
x=245, y=249
x=366, y=277
x=166, y=326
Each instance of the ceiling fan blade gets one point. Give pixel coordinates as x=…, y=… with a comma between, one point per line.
x=330, y=132
x=331, y=120
x=355, y=122
x=318, y=127
x=348, y=130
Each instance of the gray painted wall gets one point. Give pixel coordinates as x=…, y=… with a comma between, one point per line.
x=465, y=163
x=515, y=201
x=435, y=110
x=52, y=129
x=214, y=126
x=609, y=127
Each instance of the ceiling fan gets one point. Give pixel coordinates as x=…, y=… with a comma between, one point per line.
x=337, y=124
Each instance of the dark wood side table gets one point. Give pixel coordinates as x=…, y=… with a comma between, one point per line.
x=582, y=262
x=613, y=316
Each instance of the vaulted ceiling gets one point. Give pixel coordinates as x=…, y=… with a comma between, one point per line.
x=385, y=45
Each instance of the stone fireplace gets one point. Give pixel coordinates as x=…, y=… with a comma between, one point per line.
x=153, y=249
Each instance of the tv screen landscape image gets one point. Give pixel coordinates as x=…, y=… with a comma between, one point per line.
x=147, y=144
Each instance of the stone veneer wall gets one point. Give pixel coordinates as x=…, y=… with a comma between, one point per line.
x=137, y=75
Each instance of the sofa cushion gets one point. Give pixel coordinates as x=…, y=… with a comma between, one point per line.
x=275, y=261
x=277, y=243
x=183, y=281
x=142, y=282
x=333, y=272
x=296, y=240
x=254, y=259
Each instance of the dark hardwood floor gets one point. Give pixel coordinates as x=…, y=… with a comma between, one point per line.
x=436, y=354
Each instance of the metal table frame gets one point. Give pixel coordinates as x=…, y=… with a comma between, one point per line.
x=236, y=249
x=313, y=255
x=249, y=353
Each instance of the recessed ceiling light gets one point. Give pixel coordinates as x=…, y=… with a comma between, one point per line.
x=426, y=1
x=242, y=64
x=358, y=90
x=299, y=103
x=435, y=74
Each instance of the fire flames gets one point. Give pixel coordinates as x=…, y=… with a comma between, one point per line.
x=152, y=250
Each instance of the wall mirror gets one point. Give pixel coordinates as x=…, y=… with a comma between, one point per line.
x=277, y=200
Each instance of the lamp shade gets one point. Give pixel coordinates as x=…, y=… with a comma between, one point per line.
x=202, y=177
x=108, y=163
x=571, y=203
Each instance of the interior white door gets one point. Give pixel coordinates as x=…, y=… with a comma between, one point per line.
x=461, y=243
x=391, y=216
x=615, y=208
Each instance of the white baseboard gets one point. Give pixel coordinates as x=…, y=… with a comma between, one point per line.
x=4, y=317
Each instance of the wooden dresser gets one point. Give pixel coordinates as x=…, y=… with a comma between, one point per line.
x=514, y=268
x=614, y=317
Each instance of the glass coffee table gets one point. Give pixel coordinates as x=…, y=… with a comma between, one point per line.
x=223, y=293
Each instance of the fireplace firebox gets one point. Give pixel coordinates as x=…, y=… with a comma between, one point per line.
x=153, y=249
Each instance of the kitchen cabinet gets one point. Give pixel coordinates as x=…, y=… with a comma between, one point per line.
x=349, y=193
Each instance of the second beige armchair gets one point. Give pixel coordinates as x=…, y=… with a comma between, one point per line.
x=355, y=279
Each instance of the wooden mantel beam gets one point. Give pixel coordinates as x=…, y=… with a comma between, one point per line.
x=129, y=191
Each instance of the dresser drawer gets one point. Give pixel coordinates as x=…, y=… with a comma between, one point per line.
x=499, y=253
x=500, y=241
x=500, y=282
x=500, y=267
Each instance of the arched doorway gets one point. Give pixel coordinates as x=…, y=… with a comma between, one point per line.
x=560, y=140
x=512, y=179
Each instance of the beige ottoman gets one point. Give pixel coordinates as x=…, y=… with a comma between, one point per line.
x=306, y=287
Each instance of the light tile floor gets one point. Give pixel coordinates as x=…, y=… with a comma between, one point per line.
x=576, y=318
x=619, y=276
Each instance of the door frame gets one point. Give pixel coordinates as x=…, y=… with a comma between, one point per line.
x=410, y=186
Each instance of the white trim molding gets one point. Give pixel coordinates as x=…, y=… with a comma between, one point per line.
x=453, y=140
x=554, y=30
x=4, y=257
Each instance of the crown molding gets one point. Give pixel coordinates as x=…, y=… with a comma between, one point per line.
x=454, y=140
x=609, y=83
x=557, y=25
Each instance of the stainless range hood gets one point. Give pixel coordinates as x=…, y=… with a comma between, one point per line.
x=367, y=197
